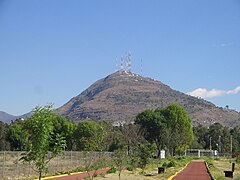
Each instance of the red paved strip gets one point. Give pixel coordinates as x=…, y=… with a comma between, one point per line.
x=80, y=176
x=195, y=170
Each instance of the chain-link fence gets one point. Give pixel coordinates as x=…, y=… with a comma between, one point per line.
x=12, y=168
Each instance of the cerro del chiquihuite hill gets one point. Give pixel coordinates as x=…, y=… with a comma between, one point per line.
x=119, y=97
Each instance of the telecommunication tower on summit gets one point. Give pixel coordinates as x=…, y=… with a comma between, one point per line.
x=126, y=63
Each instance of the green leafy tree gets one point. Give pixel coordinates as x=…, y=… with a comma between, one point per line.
x=88, y=136
x=4, y=145
x=145, y=153
x=201, y=137
x=180, y=126
x=216, y=133
x=226, y=140
x=43, y=144
x=235, y=132
x=169, y=127
x=155, y=126
x=113, y=138
x=65, y=128
x=17, y=136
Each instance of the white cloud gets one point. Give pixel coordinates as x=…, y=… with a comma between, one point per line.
x=205, y=93
x=234, y=91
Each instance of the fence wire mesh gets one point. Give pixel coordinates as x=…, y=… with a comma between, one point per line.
x=12, y=168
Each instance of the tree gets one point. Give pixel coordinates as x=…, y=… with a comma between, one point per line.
x=216, y=133
x=132, y=135
x=120, y=160
x=235, y=132
x=169, y=127
x=145, y=152
x=17, y=136
x=202, y=139
x=154, y=124
x=66, y=129
x=4, y=145
x=226, y=140
x=42, y=139
x=88, y=136
x=180, y=126
x=113, y=138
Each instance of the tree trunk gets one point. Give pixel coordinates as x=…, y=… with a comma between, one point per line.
x=40, y=175
x=159, y=152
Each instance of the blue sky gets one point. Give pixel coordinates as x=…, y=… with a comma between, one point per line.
x=52, y=50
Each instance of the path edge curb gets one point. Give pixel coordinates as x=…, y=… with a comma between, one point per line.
x=206, y=164
x=171, y=177
x=62, y=175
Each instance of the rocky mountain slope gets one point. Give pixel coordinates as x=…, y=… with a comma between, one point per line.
x=7, y=118
x=119, y=97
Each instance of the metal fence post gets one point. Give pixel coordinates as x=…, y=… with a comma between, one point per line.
x=4, y=163
x=17, y=165
x=71, y=160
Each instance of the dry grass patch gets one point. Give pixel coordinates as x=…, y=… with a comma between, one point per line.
x=218, y=166
x=126, y=175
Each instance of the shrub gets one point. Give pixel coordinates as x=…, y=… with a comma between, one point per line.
x=164, y=164
x=181, y=158
x=112, y=170
x=171, y=164
x=129, y=168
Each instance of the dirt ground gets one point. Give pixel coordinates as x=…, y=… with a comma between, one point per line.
x=196, y=170
x=128, y=175
x=125, y=175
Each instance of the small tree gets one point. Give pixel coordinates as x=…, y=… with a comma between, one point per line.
x=43, y=144
x=145, y=152
x=120, y=160
x=92, y=163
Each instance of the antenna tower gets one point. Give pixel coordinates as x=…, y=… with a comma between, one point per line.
x=125, y=63
x=128, y=62
x=122, y=65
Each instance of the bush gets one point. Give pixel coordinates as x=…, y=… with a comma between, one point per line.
x=129, y=168
x=168, y=165
x=165, y=164
x=171, y=164
x=181, y=158
x=112, y=170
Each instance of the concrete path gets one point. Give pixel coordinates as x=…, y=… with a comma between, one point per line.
x=195, y=170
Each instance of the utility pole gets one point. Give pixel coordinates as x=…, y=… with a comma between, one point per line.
x=231, y=145
x=219, y=144
x=210, y=146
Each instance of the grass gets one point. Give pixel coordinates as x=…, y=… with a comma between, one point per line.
x=171, y=164
x=217, y=166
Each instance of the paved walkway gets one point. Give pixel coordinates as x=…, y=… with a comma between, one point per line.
x=78, y=176
x=195, y=170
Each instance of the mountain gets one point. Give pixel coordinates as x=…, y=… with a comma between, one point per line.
x=119, y=97
x=7, y=118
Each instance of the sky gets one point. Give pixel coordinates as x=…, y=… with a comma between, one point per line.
x=52, y=50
